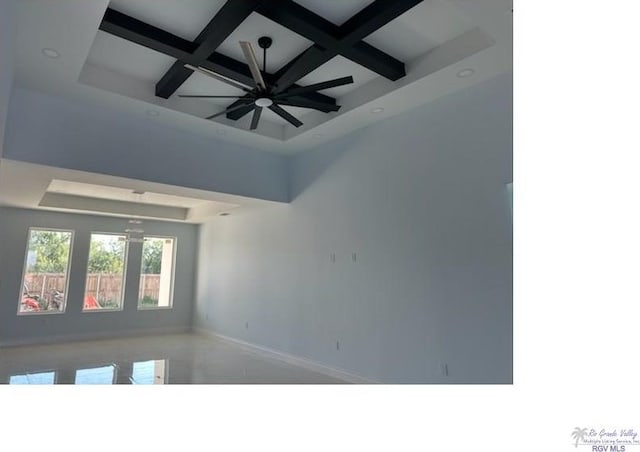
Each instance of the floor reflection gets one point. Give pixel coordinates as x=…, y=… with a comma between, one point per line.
x=167, y=359
x=40, y=378
x=147, y=372
x=150, y=372
x=96, y=376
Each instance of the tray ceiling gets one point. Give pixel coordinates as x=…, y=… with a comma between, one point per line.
x=431, y=37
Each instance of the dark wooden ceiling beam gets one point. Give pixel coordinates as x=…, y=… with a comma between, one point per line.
x=373, y=17
x=230, y=16
x=331, y=40
x=134, y=30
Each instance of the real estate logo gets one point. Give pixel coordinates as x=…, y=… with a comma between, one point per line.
x=605, y=439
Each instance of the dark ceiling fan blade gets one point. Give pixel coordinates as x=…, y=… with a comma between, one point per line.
x=256, y=117
x=197, y=96
x=316, y=87
x=250, y=56
x=306, y=103
x=227, y=110
x=220, y=78
x=285, y=114
x=238, y=114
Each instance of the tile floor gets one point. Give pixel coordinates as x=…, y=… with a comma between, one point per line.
x=167, y=359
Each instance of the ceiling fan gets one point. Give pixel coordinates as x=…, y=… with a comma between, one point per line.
x=267, y=96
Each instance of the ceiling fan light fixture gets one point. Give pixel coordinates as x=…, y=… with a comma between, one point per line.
x=262, y=95
x=264, y=102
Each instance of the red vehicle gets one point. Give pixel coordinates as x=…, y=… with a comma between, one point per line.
x=33, y=303
x=30, y=304
x=90, y=302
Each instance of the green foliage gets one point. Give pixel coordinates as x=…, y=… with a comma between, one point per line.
x=108, y=304
x=106, y=255
x=51, y=251
x=152, y=257
x=148, y=301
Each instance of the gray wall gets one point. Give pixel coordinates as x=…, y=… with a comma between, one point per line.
x=14, y=226
x=421, y=200
x=107, y=141
x=6, y=64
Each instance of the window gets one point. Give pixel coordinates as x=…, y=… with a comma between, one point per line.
x=46, y=268
x=104, y=289
x=156, y=274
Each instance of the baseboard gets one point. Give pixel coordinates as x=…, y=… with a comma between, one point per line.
x=92, y=336
x=290, y=359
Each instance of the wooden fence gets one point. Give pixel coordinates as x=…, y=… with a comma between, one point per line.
x=101, y=286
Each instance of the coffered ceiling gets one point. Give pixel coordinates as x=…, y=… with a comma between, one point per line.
x=404, y=59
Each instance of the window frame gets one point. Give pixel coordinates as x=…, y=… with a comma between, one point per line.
x=67, y=272
x=124, y=274
x=173, y=273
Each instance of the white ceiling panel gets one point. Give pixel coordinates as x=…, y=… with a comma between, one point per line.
x=127, y=58
x=184, y=18
x=337, y=12
x=422, y=28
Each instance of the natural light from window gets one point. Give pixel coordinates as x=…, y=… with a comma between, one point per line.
x=104, y=289
x=46, y=266
x=156, y=273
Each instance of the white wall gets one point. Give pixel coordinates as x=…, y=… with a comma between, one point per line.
x=421, y=200
x=49, y=130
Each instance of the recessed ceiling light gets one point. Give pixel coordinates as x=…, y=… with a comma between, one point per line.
x=221, y=132
x=465, y=73
x=317, y=135
x=152, y=112
x=224, y=214
x=377, y=110
x=50, y=53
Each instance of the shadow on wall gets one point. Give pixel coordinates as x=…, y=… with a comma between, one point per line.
x=307, y=167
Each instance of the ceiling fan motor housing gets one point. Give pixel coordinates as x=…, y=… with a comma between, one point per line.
x=262, y=96
x=265, y=42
